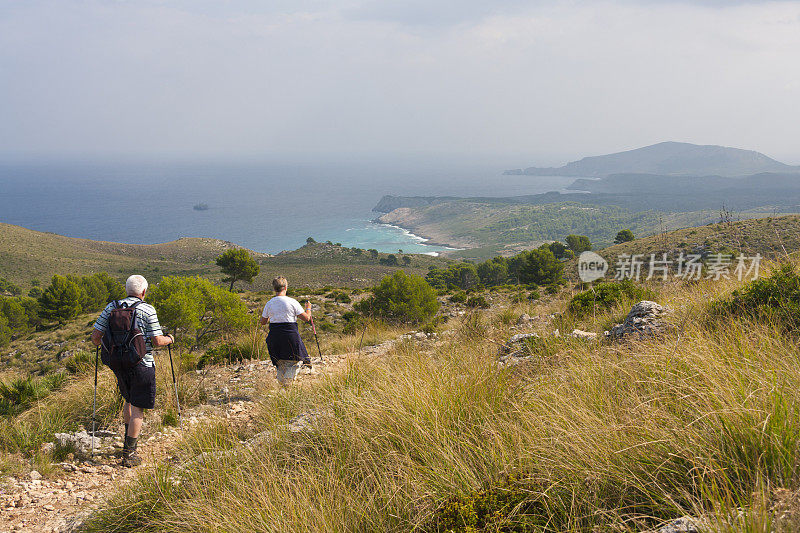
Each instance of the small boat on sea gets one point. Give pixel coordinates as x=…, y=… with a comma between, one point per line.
x=200, y=207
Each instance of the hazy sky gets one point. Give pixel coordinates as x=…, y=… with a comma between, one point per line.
x=533, y=82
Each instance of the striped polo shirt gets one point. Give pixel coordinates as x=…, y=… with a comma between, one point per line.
x=146, y=321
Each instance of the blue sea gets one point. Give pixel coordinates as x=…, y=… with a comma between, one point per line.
x=264, y=206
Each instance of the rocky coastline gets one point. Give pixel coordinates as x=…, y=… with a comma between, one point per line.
x=427, y=240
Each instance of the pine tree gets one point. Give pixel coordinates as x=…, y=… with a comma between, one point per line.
x=62, y=300
x=238, y=264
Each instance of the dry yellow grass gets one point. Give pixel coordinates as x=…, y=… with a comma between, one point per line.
x=590, y=437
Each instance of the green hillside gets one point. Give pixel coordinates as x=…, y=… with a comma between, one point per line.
x=27, y=255
x=322, y=264
x=772, y=237
x=487, y=229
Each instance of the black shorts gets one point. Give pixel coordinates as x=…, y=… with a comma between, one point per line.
x=284, y=343
x=138, y=385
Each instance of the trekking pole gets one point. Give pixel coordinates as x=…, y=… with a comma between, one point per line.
x=175, y=386
x=314, y=329
x=94, y=400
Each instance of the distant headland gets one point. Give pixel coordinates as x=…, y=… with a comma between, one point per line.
x=667, y=158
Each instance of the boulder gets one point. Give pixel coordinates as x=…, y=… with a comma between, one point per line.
x=513, y=348
x=81, y=441
x=586, y=335
x=524, y=320
x=685, y=524
x=644, y=319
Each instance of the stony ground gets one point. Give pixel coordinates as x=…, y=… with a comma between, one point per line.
x=60, y=502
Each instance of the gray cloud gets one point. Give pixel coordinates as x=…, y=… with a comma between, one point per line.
x=427, y=13
x=521, y=79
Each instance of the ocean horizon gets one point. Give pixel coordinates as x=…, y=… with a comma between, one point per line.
x=267, y=207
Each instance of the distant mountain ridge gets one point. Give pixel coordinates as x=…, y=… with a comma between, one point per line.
x=668, y=158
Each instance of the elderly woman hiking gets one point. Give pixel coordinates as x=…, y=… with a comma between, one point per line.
x=286, y=348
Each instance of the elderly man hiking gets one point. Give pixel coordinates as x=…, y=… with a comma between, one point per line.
x=286, y=349
x=128, y=330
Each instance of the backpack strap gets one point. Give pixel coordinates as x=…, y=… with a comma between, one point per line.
x=133, y=317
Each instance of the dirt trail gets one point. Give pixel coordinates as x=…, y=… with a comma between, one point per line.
x=62, y=502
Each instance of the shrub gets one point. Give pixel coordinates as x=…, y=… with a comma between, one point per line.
x=625, y=235
x=19, y=394
x=197, y=308
x=478, y=302
x=14, y=312
x=6, y=287
x=169, y=418
x=224, y=354
x=80, y=362
x=353, y=322
x=5, y=331
x=389, y=260
x=339, y=296
x=293, y=291
x=507, y=316
x=430, y=328
x=402, y=298
x=775, y=297
x=488, y=509
x=607, y=295
x=458, y=298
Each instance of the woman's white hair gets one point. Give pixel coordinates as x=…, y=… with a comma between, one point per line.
x=135, y=285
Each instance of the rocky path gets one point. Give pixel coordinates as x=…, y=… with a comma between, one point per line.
x=60, y=502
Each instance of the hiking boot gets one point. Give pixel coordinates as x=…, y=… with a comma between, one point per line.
x=131, y=460
x=129, y=456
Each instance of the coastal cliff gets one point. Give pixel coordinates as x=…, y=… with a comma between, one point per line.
x=389, y=203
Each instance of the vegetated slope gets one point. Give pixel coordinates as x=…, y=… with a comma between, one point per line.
x=494, y=228
x=756, y=189
x=321, y=264
x=772, y=237
x=671, y=158
x=26, y=254
x=644, y=203
x=439, y=436
x=765, y=192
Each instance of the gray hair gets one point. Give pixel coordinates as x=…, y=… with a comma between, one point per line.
x=135, y=285
x=279, y=283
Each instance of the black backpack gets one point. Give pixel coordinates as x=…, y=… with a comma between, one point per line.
x=123, y=344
